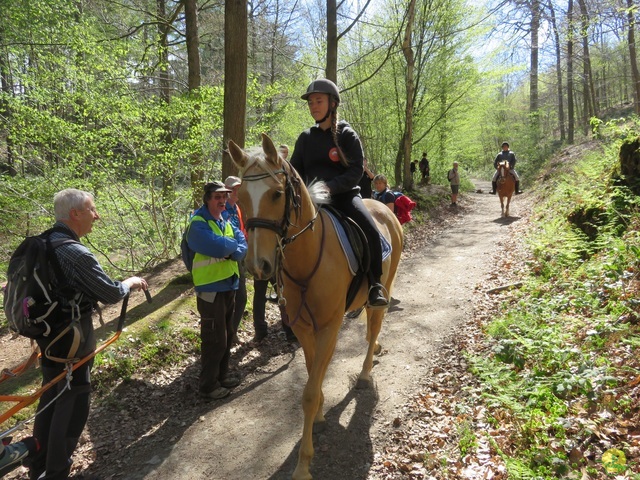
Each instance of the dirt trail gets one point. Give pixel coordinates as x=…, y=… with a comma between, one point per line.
x=254, y=433
x=158, y=429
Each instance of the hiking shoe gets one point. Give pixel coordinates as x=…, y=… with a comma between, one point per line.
x=216, y=394
x=376, y=297
x=230, y=382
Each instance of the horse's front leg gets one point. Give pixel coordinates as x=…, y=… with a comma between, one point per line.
x=313, y=398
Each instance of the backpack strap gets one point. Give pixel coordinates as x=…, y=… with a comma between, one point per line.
x=74, y=302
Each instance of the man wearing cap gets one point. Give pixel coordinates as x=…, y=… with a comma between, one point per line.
x=219, y=246
x=233, y=214
x=510, y=157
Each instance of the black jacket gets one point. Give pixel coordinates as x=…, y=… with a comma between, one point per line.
x=315, y=158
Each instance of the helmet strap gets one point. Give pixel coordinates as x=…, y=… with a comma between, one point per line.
x=330, y=110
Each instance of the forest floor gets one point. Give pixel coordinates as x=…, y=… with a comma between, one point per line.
x=408, y=426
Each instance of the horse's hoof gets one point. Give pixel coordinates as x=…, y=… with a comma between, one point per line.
x=319, y=427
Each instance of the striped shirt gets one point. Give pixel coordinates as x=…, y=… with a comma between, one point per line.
x=83, y=271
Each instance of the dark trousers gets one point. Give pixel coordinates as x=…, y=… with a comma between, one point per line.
x=58, y=427
x=216, y=333
x=241, y=299
x=259, y=306
x=353, y=206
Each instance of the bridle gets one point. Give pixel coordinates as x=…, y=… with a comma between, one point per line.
x=292, y=204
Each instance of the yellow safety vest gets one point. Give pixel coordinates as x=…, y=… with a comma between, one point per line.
x=207, y=269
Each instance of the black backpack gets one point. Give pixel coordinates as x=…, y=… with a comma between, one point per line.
x=36, y=292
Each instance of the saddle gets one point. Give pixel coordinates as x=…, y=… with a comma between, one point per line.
x=352, y=238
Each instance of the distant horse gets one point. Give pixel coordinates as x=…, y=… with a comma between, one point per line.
x=292, y=238
x=506, y=186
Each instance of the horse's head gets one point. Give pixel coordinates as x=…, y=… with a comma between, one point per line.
x=268, y=199
x=503, y=168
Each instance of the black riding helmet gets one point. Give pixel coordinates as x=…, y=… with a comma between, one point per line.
x=323, y=85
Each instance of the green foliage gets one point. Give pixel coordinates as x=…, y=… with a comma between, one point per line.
x=150, y=351
x=553, y=340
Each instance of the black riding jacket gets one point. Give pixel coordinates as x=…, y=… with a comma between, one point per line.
x=315, y=158
x=505, y=155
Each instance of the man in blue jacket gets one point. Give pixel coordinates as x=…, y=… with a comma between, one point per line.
x=218, y=247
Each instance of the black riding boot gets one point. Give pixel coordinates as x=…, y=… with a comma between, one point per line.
x=518, y=192
x=376, y=296
x=494, y=186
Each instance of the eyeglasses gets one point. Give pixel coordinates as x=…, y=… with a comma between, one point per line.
x=220, y=196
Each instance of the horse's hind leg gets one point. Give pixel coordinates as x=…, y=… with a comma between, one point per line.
x=374, y=324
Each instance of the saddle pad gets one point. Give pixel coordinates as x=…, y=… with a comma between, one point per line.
x=346, y=246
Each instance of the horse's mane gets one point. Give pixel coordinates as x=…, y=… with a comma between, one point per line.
x=319, y=192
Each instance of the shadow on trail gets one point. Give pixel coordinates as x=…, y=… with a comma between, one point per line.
x=139, y=417
x=340, y=451
x=506, y=221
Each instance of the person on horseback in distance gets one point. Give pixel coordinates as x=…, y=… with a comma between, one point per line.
x=509, y=156
x=331, y=151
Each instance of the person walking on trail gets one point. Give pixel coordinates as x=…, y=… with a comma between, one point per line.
x=233, y=214
x=510, y=157
x=260, y=287
x=62, y=413
x=218, y=247
x=454, y=180
x=424, y=168
x=331, y=151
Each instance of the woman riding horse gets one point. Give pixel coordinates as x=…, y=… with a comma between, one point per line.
x=293, y=239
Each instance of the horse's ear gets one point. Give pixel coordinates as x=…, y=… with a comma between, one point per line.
x=238, y=155
x=269, y=149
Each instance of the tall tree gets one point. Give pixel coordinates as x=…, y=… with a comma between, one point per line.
x=558, y=49
x=533, y=74
x=588, y=89
x=403, y=166
x=331, y=71
x=635, y=76
x=194, y=81
x=235, y=78
x=570, y=104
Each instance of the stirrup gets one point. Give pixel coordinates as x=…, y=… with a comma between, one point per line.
x=381, y=301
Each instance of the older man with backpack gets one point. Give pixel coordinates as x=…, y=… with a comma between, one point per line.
x=69, y=336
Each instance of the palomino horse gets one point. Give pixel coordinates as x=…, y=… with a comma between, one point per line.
x=506, y=186
x=291, y=238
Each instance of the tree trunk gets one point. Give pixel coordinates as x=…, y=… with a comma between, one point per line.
x=570, y=114
x=235, y=79
x=194, y=79
x=556, y=35
x=533, y=75
x=332, y=41
x=5, y=83
x=166, y=171
x=589, y=100
x=632, y=56
x=407, y=50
